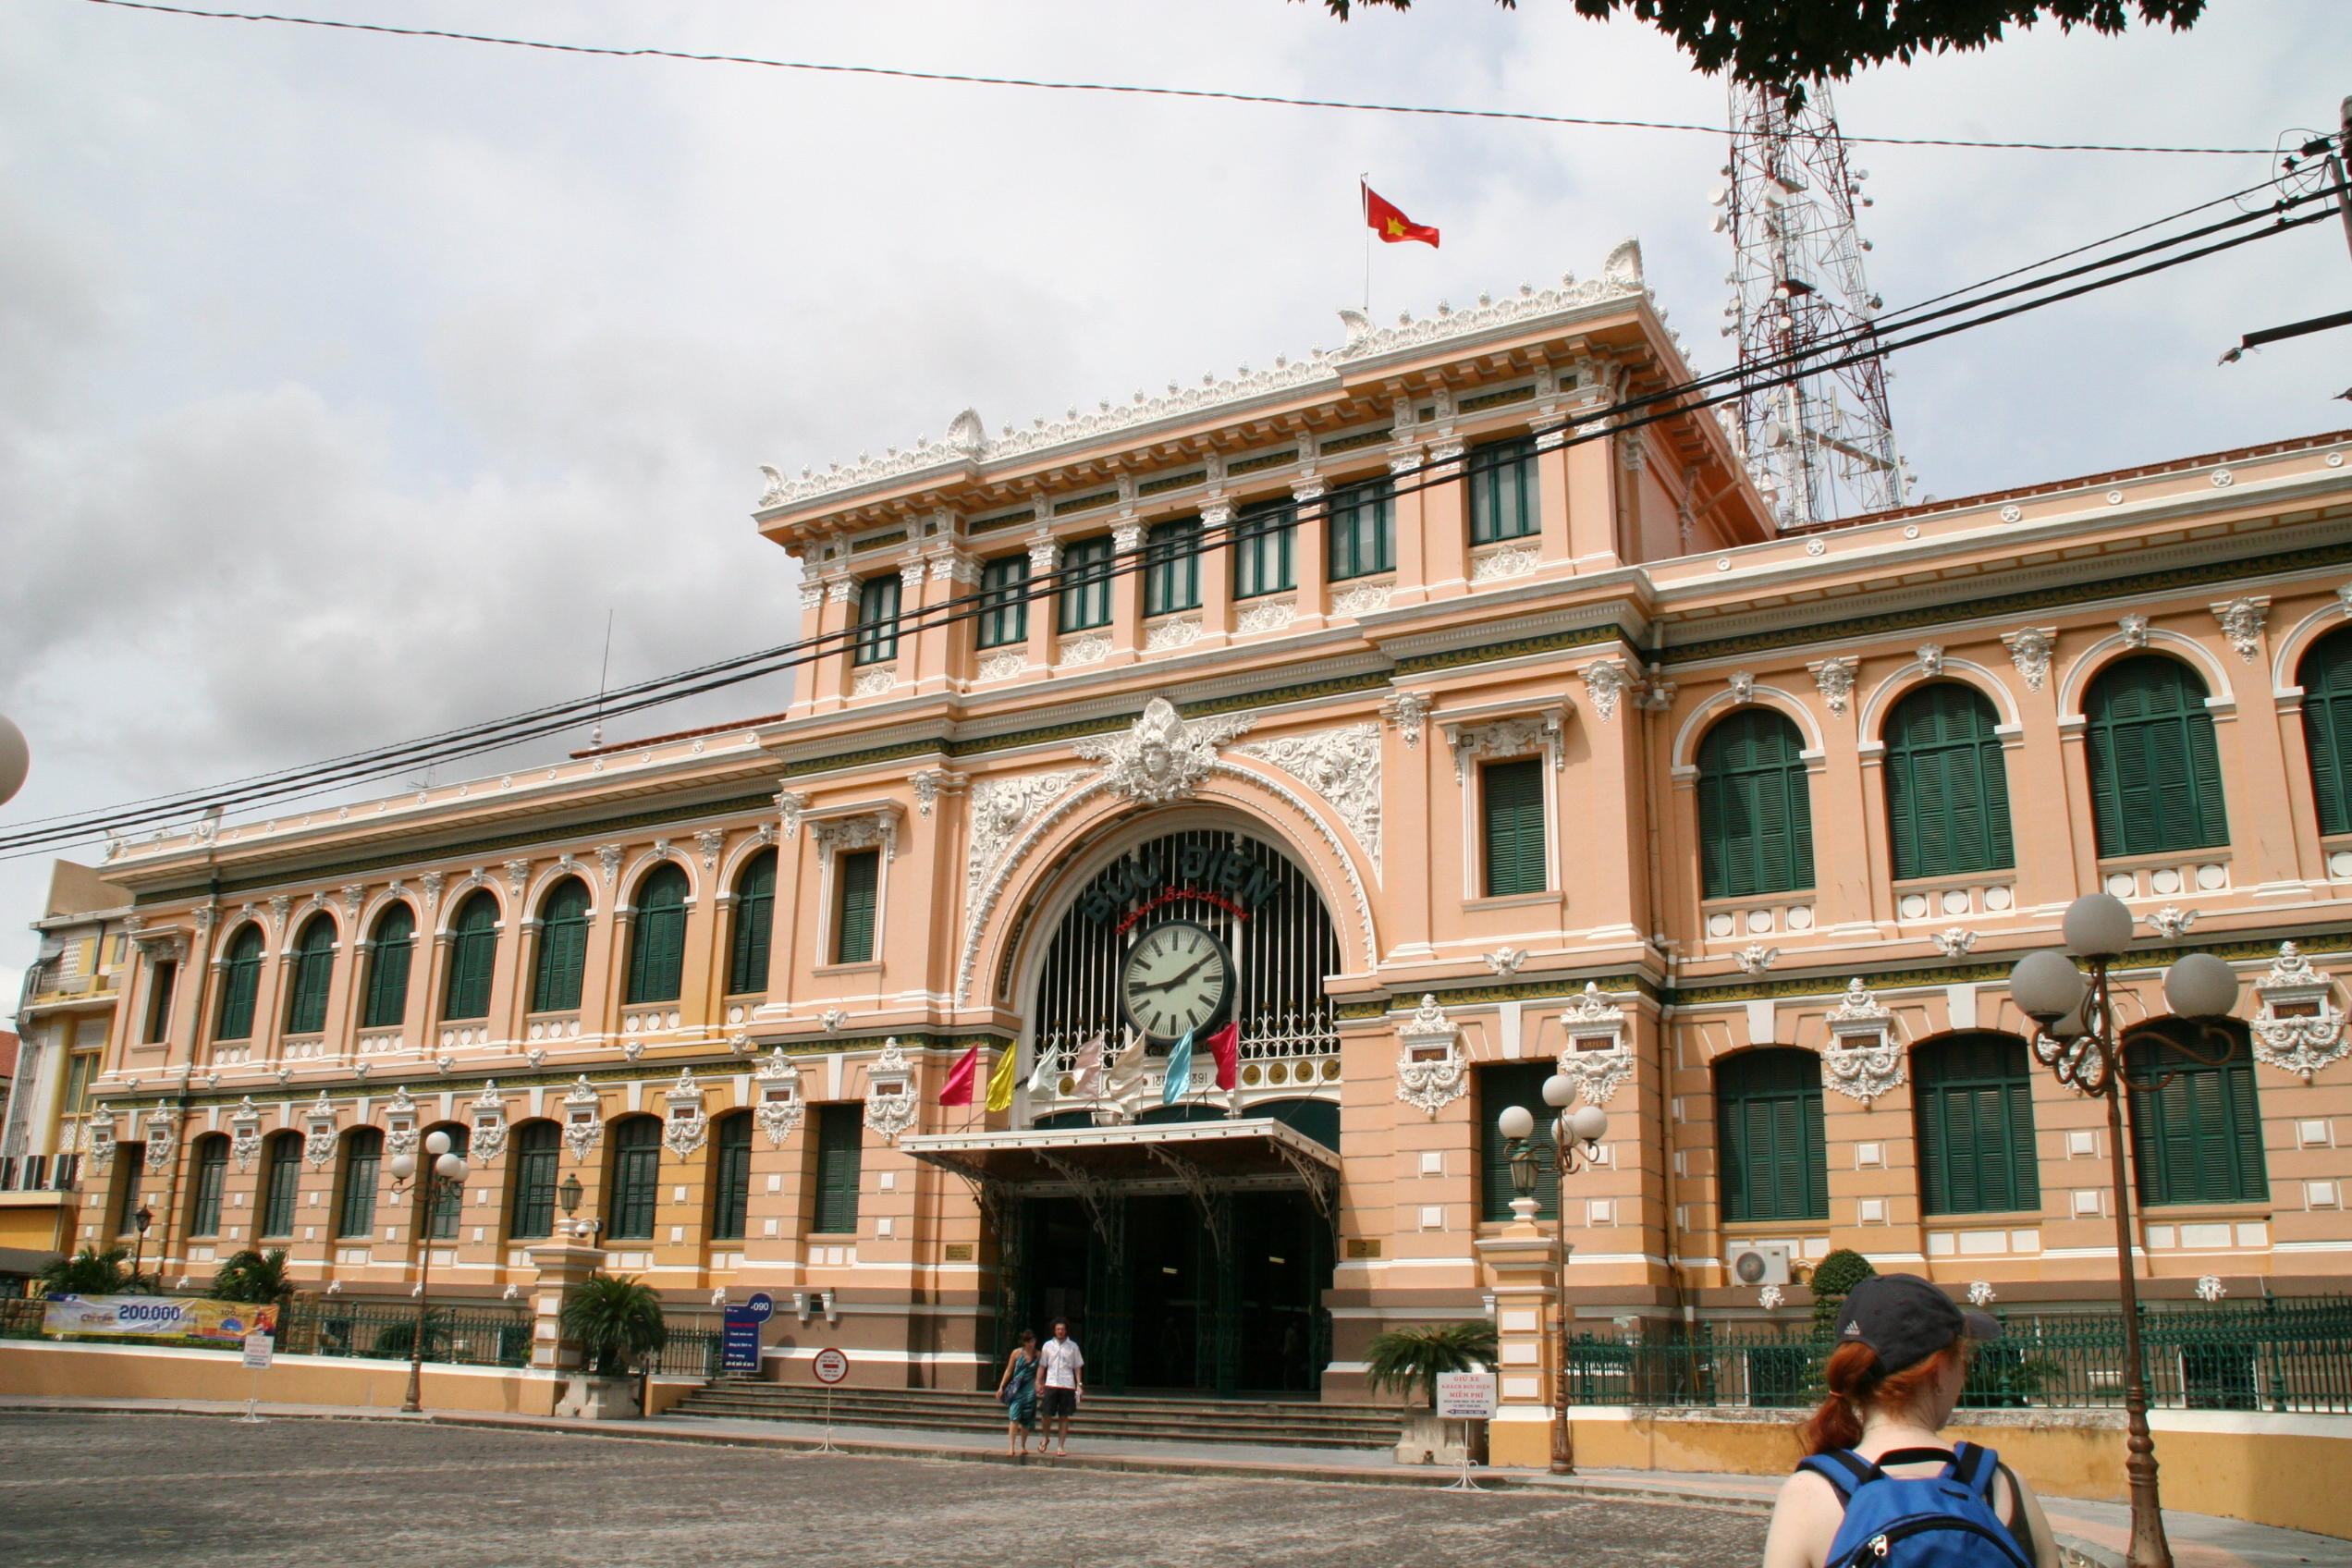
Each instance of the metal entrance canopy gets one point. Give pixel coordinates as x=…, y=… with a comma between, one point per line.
x=1095, y=1164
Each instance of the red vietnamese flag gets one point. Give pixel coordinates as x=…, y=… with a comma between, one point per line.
x=1226, y=1046
x=1391, y=224
x=957, y=1090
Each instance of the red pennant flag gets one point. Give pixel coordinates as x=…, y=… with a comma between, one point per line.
x=1226, y=1046
x=957, y=1090
x=1393, y=226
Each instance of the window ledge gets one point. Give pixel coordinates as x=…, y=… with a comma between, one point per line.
x=2175, y=1212
x=870, y=966
x=1513, y=900
x=2006, y=1217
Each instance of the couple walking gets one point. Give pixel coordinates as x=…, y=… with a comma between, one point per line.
x=1045, y=1380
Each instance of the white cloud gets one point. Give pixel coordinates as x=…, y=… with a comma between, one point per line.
x=345, y=382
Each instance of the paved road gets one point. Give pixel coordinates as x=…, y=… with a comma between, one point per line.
x=205, y=1491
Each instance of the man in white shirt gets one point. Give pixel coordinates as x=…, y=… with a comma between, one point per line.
x=1061, y=1378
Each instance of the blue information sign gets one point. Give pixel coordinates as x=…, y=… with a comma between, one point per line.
x=740, y=1344
x=761, y=1306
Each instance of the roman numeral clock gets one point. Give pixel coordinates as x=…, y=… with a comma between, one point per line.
x=1178, y=976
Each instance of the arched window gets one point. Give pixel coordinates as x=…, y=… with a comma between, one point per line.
x=2326, y=679
x=1755, y=811
x=1972, y=1095
x=537, y=1149
x=1947, y=793
x=636, y=1178
x=386, y=1004
x=281, y=1181
x=363, y=1155
x=754, y=925
x=658, y=941
x=2197, y=1129
x=1769, y=1135
x=240, y=980
x=732, y=1178
x=563, y=947
x=449, y=1203
x=473, y=955
x=212, y=1175
x=309, y=975
x=2155, y=776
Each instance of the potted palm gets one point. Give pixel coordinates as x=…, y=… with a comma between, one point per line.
x=89, y=1273
x=615, y=1321
x=1406, y=1361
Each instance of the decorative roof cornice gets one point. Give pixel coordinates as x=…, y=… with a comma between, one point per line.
x=967, y=446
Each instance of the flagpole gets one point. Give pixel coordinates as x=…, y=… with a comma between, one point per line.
x=1364, y=204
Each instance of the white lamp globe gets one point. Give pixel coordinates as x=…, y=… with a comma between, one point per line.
x=450, y=1168
x=402, y=1167
x=436, y=1143
x=1590, y=1123
x=2098, y=925
x=2046, y=985
x=2200, y=986
x=2070, y=1027
x=16, y=759
x=1560, y=1091
x=1516, y=1121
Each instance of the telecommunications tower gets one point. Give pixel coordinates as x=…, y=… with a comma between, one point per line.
x=1821, y=446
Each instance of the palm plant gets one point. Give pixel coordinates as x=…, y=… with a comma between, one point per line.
x=616, y=1320
x=1406, y=1361
x=396, y=1340
x=88, y=1273
x=258, y=1278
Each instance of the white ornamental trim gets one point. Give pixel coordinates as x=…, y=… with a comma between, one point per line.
x=1431, y=1073
x=1863, y=1058
x=686, y=1128
x=1342, y=766
x=2306, y=1038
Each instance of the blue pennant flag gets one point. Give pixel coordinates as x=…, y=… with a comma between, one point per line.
x=1180, y=1071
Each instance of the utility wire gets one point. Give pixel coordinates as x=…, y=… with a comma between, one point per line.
x=1671, y=403
x=1196, y=92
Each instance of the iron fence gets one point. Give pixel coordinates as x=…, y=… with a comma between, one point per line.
x=2274, y=1355
x=20, y=1317
x=691, y=1352
x=386, y=1330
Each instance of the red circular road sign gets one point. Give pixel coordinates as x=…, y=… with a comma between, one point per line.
x=830, y=1367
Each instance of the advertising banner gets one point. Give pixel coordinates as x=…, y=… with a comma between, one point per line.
x=164, y=1318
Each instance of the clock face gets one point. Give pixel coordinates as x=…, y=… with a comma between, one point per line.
x=1176, y=978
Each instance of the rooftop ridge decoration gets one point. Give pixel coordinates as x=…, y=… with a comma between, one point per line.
x=967, y=441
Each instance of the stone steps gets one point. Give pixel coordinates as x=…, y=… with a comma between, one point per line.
x=1165, y=1419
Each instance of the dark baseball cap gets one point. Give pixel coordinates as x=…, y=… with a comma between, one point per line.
x=1906, y=1319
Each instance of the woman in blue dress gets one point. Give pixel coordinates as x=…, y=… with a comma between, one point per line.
x=1018, y=1389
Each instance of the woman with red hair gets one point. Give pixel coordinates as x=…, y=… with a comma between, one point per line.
x=1878, y=1484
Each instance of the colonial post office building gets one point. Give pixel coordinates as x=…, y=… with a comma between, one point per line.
x=1405, y=707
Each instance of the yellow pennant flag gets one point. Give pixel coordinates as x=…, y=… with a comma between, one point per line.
x=1000, y=1082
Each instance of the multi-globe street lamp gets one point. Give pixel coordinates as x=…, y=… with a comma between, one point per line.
x=1575, y=1144
x=2081, y=1043
x=445, y=1180
x=144, y=1217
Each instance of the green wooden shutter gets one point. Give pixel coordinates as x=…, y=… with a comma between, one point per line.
x=313, y=971
x=1771, y=1146
x=1500, y=1086
x=1004, y=603
x=161, y=983
x=636, y=1178
x=1502, y=490
x=749, y=941
x=1262, y=561
x=386, y=1002
x=1086, y=579
x=1755, y=807
x=1513, y=813
x=658, y=941
x=473, y=955
x=2197, y=1130
x=212, y=1175
x=2155, y=769
x=877, y=620
x=840, y=1140
x=283, y=1179
x=563, y=947
x=241, y=981
x=1362, y=531
x=860, y=879
x=1947, y=791
x=1972, y=1097
x=731, y=1186
x=362, y=1151
x=534, y=1179
x=2326, y=679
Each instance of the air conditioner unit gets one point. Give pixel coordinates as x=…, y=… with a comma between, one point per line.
x=1766, y=1263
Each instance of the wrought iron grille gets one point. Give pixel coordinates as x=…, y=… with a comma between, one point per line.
x=1282, y=943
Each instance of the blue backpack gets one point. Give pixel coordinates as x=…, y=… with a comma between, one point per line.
x=1944, y=1521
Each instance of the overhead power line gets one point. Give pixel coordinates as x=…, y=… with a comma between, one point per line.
x=1900, y=329
x=1210, y=94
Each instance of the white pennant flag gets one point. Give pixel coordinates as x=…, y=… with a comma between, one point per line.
x=1048, y=1071
x=1090, y=1069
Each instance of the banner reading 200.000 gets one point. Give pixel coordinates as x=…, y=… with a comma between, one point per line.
x=169, y=1318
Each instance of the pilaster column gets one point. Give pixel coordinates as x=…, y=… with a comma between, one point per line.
x=1216, y=573
x=1309, y=550
x=1525, y=1265
x=1412, y=554
x=563, y=1268
x=1445, y=518
x=1045, y=560
x=1126, y=591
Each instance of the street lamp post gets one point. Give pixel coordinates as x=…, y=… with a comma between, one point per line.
x=2081, y=1043
x=446, y=1179
x=144, y=1217
x=569, y=1194
x=1575, y=1144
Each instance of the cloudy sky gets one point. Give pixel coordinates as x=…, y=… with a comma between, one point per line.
x=348, y=382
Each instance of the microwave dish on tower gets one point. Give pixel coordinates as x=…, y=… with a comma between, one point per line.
x=1821, y=445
